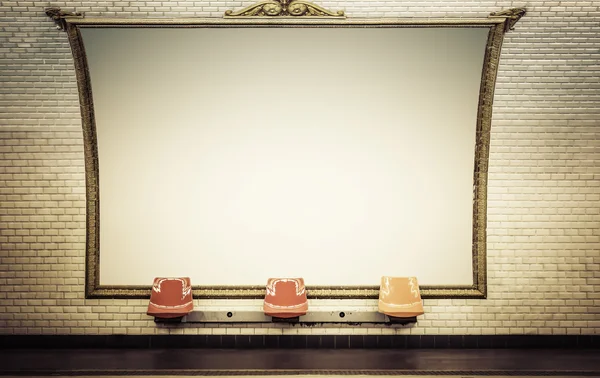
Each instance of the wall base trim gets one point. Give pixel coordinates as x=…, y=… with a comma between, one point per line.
x=299, y=341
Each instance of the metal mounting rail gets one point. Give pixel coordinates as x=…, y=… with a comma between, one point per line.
x=311, y=317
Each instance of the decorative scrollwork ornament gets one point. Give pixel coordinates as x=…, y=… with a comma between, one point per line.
x=284, y=8
x=512, y=16
x=58, y=16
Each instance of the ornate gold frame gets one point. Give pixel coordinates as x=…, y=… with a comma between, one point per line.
x=280, y=13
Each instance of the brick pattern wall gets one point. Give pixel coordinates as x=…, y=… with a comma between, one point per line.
x=544, y=183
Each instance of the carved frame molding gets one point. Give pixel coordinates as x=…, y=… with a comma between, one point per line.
x=255, y=16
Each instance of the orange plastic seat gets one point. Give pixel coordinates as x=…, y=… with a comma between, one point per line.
x=285, y=298
x=400, y=297
x=171, y=298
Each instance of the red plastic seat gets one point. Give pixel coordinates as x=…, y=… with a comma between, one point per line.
x=285, y=298
x=171, y=298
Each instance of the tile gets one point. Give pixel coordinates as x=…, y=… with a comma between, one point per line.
x=455, y=341
x=299, y=341
x=384, y=341
x=342, y=341
x=328, y=341
x=357, y=341
x=470, y=341
x=160, y=341
x=441, y=341
x=286, y=341
x=257, y=341
x=228, y=341
x=427, y=341
x=399, y=341
x=313, y=341
x=272, y=341
x=586, y=341
x=213, y=341
x=484, y=342
x=370, y=341
x=197, y=341
x=413, y=341
x=499, y=341
x=242, y=341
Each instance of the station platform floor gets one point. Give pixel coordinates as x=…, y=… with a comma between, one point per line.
x=305, y=362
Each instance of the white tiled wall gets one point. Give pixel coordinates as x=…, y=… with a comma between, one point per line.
x=544, y=182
